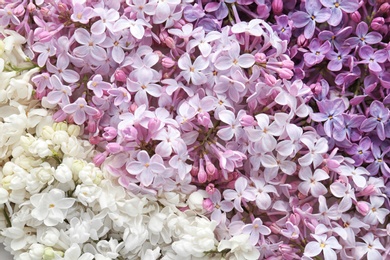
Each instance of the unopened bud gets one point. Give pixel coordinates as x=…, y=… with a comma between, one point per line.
x=168, y=62
x=120, y=75
x=208, y=205
x=362, y=207
x=356, y=17
x=277, y=7
x=377, y=23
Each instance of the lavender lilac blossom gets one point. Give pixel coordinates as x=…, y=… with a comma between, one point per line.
x=271, y=118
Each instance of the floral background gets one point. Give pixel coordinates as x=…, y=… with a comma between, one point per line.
x=236, y=129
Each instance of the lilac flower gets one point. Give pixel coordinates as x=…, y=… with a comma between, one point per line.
x=363, y=36
x=361, y=152
x=317, y=53
x=351, y=124
x=233, y=128
x=220, y=206
x=219, y=8
x=81, y=13
x=336, y=38
x=311, y=182
x=107, y=20
x=241, y=192
x=283, y=27
x=136, y=26
x=292, y=231
x=263, y=199
x=331, y=112
x=372, y=58
x=255, y=229
x=315, y=153
x=89, y=45
x=337, y=7
x=379, y=116
x=357, y=174
x=234, y=60
x=376, y=214
x=60, y=93
x=322, y=244
x=379, y=161
x=46, y=50
x=146, y=168
x=337, y=59
x=62, y=71
x=80, y=109
x=371, y=246
x=314, y=14
x=142, y=85
x=192, y=71
x=120, y=94
x=97, y=85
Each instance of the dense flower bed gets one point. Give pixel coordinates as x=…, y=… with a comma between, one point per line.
x=178, y=129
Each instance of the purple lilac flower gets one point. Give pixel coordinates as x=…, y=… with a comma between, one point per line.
x=80, y=109
x=361, y=152
x=379, y=116
x=283, y=27
x=336, y=38
x=317, y=53
x=337, y=7
x=379, y=161
x=337, y=59
x=372, y=58
x=363, y=36
x=351, y=124
x=314, y=14
x=331, y=112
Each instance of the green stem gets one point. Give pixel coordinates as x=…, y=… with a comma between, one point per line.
x=7, y=217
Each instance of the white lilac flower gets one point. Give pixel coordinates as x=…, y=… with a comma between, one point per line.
x=51, y=207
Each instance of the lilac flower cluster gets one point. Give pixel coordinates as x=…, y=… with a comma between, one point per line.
x=273, y=115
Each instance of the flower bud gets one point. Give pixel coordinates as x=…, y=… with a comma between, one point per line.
x=170, y=42
x=19, y=10
x=120, y=75
x=210, y=168
x=73, y=130
x=275, y=228
x=133, y=107
x=377, y=23
x=285, y=73
x=95, y=139
x=195, y=201
x=48, y=254
x=247, y=120
x=202, y=175
x=114, y=148
x=362, y=207
x=60, y=126
x=210, y=189
x=168, y=62
x=36, y=251
x=194, y=171
x=99, y=158
x=31, y=7
x=302, y=41
x=204, y=119
x=260, y=58
x=356, y=17
x=285, y=248
x=208, y=205
x=367, y=191
x=63, y=174
x=109, y=133
x=277, y=7
x=269, y=79
x=60, y=137
x=48, y=236
x=47, y=132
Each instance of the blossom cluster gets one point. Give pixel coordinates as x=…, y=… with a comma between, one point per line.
x=270, y=118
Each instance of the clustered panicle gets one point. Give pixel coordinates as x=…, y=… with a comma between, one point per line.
x=269, y=118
